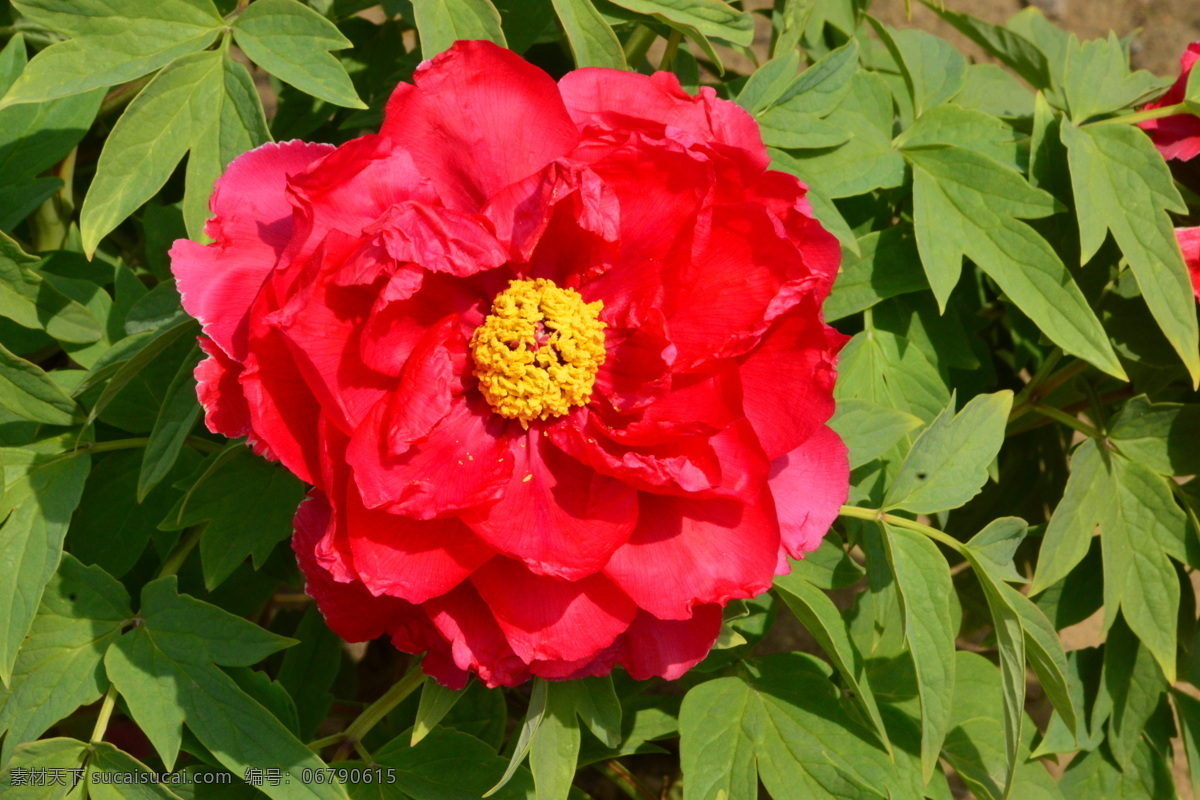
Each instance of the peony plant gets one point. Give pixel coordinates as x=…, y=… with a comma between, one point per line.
x=594, y=399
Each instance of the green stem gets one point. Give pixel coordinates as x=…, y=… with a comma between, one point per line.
x=638, y=43
x=1038, y=388
x=106, y=709
x=373, y=714
x=668, y=58
x=182, y=550
x=195, y=442
x=1143, y=116
x=1020, y=402
x=1059, y=415
x=875, y=515
x=320, y=744
x=616, y=772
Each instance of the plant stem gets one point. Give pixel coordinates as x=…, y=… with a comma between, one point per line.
x=373, y=714
x=875, y=515
x=1142, y=116
x=1039, y=388
x=668, y=58
x=106, y=709
x=638, y=43
x=182, y=549
x=616, y=772
x=195, y=442
x=1066, y=419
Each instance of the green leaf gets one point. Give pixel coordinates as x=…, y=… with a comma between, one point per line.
x=994, y=90
x=554, y=747
x=148, y=141
x=787, y=724
x=1161, y=436
x=1187, y=709
x=1094, y=775
x=248, y=505
x=29, y=300
x=436, y=702
x=1135, y=684
x=443, y=22
x=782, y=127
x=597, y=704
x=821, y=88
x=954, y=125
x=966, y=204
x=879, y=367
x=310, y=668
x=158, y=308
x=888, y=265
x=948, y=463
x=31, y=542
x=534, y=716
x=111, y=44
x=47, y=754
x=448, y=765
x=767, y=84
x=292, y=42
x=176, y=418
x=821, y=618
x=27, y=391
x=829, y=566
x=1075, y=519
x=1012, y=49
x=709, y=17
x=124, y=371
x=870, y=430
x=592, y=40
x=58, y=668
x=1097, y=79
x=124, y=768
x=933, y=70
x=1122, y=184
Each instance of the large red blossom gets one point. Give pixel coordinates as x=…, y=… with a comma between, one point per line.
x=350, y=296
x=1189, y=241
x=1177, y=136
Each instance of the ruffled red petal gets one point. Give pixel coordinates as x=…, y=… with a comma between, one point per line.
x=810, y=484
x=1189, y=242
x=219, y=392
x=657, y=648
x=477, y=118
x=688, y=552
x=251, y=226
x=476, y=641
x=1178, y=136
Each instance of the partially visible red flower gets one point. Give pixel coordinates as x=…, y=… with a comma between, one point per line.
x=1177, y=136
x=552, y=357
x=1189, y=241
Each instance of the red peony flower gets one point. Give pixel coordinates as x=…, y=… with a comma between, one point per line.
x=552, y=357
x=1177, y=136
x=1189, y=241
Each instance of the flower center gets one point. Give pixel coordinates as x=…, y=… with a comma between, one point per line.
x=537, y=353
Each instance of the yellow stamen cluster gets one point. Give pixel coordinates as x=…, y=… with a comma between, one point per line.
x=537, y=353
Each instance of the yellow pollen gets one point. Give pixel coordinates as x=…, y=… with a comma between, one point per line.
x=536, y=355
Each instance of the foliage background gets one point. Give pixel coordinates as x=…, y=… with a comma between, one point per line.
x=1000, y=410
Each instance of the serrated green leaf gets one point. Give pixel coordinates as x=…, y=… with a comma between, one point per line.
x=966, y=204
x=443, y=22
x=592, y=40
x=787, y=725
x=111, y=44
x=292, y=42
x=924, y=583
x=31, y=542
x=709, y=17
x=46, y=754
x=176, y=418
x=821, y=618
x=933, y=70
x=947, y=465
x=879, y=367
x=1123, y=185
x=148, y=141
x=870, y=430
x=248, y=505
x=133, y=777
x=58, y=668
x=887, y=265
x=1161, y=436
x=1097, y=79
x=1014, y=50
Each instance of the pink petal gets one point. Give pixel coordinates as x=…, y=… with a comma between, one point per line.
x=548, y=619
x=477, y=118
x=688, y=552
x=556, y=515
x=252, y=225
x=810, y=484
x=669, y=648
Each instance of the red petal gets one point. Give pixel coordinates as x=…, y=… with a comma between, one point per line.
x=252, y=224
x=351, y=611
x=1189, y=242
x=439, y=239
x=1177, y=137
x=810, y=484
x=463, y=463
x=476, y=641
x=548, y=619
x=688, y=552
x=558, y=516
x=477, y=118
x=787, y=381
x=669, y=648
x=220, y=394
x=659, y=105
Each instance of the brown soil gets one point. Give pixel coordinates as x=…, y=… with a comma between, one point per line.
x=1163, y=27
